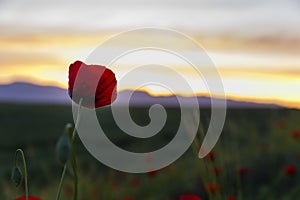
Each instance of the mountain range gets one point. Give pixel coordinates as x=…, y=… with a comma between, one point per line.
x=20, y=92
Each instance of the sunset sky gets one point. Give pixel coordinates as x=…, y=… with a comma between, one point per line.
x=255, y=45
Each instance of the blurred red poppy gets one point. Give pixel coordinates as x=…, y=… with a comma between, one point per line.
x=290, y=170
x=211, y=156
x=189, y=197
x=152, y=173
x=231, y=197
x=211, y=187
x=29, y=197
x=128, y=198
x=96, y=84
x=296, y=134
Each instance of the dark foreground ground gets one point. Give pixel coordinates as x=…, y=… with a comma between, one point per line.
x=257, y=156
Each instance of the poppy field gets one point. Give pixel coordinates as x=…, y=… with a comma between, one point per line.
x=256, y=157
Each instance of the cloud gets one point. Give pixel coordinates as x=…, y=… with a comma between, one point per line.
x=10, y=59
x=216, y=17
x=254, y=43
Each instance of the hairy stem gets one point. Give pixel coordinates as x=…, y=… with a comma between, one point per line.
x=20, y=151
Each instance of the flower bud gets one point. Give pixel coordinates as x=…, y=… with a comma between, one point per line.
x=68, y=129
x=63, y=149
x=16, y=176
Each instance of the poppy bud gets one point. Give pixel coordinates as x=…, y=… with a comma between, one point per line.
x=68, y=129
x=16, y=176
x=63, y=149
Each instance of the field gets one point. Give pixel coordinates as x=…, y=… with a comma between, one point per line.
x=257, y=156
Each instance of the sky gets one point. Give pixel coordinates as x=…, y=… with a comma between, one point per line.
x=255, y=45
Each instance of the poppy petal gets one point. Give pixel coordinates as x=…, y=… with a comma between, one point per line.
x=95, y=84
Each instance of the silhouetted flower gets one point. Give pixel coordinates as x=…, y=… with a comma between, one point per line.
x=95, y=84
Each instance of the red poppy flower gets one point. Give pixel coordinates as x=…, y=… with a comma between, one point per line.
x=290, y=170
x=296, y=134
x=189, y=197
x=29, y=197
x=211, y=187
x=128, y=198
x=152, y=173
x=211, y=156
x=95, y=84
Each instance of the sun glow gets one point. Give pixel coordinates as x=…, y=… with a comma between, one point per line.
x=255, y=77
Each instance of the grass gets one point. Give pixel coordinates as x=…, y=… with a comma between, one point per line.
x=250, y=158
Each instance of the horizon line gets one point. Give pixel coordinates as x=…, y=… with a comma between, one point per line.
x=233, y=97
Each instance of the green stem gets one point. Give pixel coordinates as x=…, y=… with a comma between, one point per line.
x=25, y=169
x=74, y=167
x=73, y=151
x=61, y=182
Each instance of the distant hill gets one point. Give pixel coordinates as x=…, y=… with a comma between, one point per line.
x=20, y=92
x=140, y=98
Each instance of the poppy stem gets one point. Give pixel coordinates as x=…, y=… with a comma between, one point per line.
x=73, y=151
x=74, y=167
x=20, y=151
x=61, y=182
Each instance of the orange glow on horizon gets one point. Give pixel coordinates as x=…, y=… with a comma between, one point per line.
x=44, y=60
x=33, y=80
x=284, y=102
